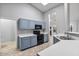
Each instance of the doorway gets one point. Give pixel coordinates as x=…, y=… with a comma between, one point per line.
x=8, y=33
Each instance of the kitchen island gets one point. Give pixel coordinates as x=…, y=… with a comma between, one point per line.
x=62, y=48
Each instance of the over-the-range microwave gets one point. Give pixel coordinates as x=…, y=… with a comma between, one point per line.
x=38, y=26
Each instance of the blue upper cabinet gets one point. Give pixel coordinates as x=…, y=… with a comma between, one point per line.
x=23, y=24
x=29, y=24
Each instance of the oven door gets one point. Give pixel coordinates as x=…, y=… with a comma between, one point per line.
x=40, y=39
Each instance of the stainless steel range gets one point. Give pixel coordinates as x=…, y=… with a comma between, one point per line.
x=40, y=37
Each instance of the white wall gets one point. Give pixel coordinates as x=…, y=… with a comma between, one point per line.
x=15, y=11
x=8, y=30
x=0, y=33
x=46, y=19
x=59, y=18
x=74, y=26
x=74, y=15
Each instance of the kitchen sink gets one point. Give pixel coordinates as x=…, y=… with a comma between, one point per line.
x=66, y=38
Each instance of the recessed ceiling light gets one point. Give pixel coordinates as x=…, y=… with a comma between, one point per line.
x=44, y=4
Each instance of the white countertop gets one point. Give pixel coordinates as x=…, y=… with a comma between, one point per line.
x=62, y=48
x=26, y=35
x=72, y=33
x=60, y=34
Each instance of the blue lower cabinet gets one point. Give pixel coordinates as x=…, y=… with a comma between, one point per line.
x=45, y=37
x=25, y=43
x=33, y=41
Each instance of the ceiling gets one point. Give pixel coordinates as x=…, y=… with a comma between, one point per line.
x=45, y=8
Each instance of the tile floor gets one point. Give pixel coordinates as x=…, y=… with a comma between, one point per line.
x=10, y=50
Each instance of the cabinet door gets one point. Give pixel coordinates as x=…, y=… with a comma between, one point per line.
x=25, y=42
x=45, y=37
x=23, y=24
x=31, y=25
x=33, y=40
